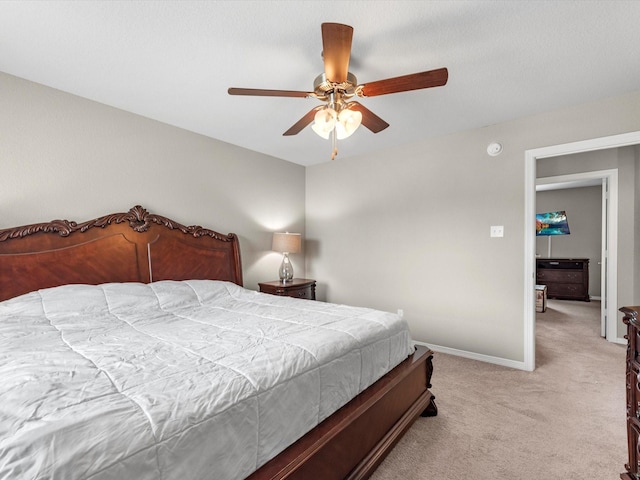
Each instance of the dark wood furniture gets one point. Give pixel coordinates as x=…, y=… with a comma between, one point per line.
x=632, y=321
x=137, y=246
x=122, y=247
x=297, y=288
x=565, y=278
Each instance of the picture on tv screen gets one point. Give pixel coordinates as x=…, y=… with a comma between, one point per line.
x=552, y=223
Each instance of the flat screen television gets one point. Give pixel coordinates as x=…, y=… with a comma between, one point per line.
x=552, y=223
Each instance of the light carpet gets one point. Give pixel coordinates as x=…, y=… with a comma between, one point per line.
x=564, y=420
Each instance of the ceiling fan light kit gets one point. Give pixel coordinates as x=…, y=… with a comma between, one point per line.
x=338, y=117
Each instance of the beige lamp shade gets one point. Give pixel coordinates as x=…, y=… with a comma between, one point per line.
x=287, y=242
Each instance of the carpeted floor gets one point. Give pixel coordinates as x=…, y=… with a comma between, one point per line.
x=564, y=420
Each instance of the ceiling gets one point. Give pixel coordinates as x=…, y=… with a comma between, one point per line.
x=173, y=61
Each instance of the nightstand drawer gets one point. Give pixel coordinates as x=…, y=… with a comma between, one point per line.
x=297, y=288
x=307, y=293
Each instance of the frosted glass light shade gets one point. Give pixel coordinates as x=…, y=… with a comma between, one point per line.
x=348, y=122
x=324, y=122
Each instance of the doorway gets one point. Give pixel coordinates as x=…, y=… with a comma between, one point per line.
x=608, y=181
x=531, y=156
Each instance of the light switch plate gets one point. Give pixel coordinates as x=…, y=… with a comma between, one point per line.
x=497, y=231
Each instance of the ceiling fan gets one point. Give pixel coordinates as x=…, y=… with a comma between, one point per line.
x=340, y=116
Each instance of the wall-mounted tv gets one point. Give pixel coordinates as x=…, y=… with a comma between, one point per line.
x=552, y=223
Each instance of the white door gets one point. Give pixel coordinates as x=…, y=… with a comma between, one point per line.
x=604, y=257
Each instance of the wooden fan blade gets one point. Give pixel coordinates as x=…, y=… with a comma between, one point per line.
x=369, y=119
x=303, y=122
x=268, y=93
x=405, y=83
x=336, y=50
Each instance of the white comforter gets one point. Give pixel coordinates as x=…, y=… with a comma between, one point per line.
x=176, y=380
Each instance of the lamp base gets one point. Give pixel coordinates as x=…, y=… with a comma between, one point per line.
x=286, y=269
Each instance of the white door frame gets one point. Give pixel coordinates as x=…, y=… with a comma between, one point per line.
x=608, y=180
x=530, y=157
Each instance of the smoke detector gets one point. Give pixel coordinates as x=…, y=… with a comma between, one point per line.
x=494, y=149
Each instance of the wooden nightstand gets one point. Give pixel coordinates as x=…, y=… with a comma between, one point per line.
x=298, y=288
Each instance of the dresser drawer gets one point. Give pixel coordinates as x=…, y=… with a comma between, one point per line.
x=564, y=276
x=565, y=290
x=633, y=392
x=561, y=264
x=633, y=435
x=634, y=343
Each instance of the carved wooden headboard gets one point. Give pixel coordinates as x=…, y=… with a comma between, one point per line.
x=122, y=247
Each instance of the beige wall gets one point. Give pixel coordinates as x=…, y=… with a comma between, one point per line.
x=65, y=156
x=409, y=228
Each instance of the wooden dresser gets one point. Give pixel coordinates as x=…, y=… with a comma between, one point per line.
x=632, y=321
x=298, y=288
x=565, y=278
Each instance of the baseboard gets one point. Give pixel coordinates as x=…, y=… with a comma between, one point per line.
x=505, y=362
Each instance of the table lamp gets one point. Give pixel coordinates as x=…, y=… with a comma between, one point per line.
x=286, y=243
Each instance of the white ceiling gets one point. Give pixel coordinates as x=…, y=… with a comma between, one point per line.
x=174, y=60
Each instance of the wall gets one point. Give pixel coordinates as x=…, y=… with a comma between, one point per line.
x=409, y=228
x=62, y=156
x=584, y=215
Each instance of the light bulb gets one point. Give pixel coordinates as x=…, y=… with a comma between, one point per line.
x=348, y=122
x=324, y=122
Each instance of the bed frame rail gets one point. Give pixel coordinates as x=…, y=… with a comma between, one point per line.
x=355, y=440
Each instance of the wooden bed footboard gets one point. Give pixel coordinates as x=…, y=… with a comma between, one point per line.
x=355, y=440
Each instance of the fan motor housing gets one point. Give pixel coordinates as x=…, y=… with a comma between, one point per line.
x=322, y=87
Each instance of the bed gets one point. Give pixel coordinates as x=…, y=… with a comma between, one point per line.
x=130, y=349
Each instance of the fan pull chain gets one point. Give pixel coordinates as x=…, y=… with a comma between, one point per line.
x=334, y=144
